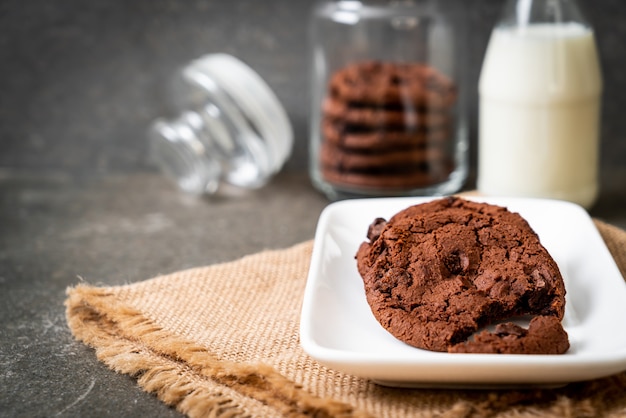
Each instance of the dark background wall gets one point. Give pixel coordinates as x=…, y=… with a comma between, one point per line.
x=81, y=80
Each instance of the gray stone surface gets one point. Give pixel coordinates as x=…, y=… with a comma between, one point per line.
x=122, y=229
x=79, y=200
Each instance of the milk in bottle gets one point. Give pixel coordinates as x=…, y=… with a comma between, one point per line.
x=540, y=91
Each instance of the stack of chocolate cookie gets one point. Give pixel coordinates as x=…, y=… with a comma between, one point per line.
x=387, y=126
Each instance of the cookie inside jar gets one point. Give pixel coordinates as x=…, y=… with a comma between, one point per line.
x=388, y=126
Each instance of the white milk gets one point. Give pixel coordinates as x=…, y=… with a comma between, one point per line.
x=539, y=113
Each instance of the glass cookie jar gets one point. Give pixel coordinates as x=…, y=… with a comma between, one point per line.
x=388, y=113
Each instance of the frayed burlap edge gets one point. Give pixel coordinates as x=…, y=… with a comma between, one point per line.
x=615, y=240
x=181, y=373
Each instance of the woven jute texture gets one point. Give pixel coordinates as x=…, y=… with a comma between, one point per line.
x=222, y=341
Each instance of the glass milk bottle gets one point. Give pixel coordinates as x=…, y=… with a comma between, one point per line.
x=539, y=91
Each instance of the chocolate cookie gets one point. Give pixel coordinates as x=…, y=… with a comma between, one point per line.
x=545, y=335
x=392, y=159
x=385, y=82
x=377, y=116
x=436, y=273
x=374, y=140
x=388, y=180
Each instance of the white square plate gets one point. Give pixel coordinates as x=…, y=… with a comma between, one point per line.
x=338, y=329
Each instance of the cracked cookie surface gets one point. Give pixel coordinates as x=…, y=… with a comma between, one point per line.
x=436, y=273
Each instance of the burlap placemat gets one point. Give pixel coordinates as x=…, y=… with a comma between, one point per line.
x=222, y=341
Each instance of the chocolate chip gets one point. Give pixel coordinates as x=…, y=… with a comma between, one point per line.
x=456, y=262
x=509, y=328
x=375, y=229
